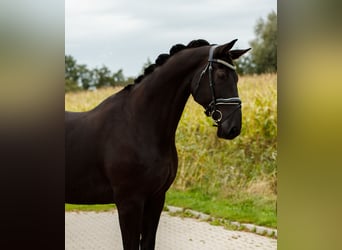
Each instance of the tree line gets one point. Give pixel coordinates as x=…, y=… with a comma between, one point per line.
x=79, y=77
x=261, y=59
x=263, y=56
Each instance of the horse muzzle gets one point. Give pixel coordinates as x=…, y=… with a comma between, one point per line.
x=228, y=134
x=230, y=127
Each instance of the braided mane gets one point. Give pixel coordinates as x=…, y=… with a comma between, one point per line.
x=162, y=58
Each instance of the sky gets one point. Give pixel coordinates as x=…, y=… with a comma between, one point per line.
x=124, y=34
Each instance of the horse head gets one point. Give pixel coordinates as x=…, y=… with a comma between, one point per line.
x=215, y=88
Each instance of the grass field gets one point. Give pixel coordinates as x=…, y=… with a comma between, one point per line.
x=237, y=179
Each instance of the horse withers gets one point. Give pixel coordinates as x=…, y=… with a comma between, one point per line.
x=123, y=151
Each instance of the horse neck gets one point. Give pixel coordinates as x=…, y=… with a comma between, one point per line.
x=164, y=93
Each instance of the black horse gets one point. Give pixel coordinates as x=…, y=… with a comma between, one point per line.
x=123, y=151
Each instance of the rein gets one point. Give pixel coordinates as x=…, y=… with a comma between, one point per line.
x=211, y=109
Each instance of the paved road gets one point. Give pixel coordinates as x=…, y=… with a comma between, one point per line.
x=90, y=230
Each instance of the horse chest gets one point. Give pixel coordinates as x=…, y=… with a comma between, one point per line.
x=134, y=164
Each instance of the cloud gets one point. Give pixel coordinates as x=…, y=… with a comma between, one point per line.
x=123, y=34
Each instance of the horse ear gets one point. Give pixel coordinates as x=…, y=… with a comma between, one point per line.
x=225, y=48
x=235, y=54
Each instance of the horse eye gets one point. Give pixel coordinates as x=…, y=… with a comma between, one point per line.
x=221, y=74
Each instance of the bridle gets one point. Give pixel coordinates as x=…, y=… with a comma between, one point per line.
x=211, y=109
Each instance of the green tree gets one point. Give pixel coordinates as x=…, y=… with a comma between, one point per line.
x=119, y=77
x=103, y=77
x=85, y=76
x=78, y=76
x=264, y=46
x=263, y=56
x=71, y=74
x=244, y=65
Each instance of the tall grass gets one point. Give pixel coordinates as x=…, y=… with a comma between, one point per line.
x=246, y=164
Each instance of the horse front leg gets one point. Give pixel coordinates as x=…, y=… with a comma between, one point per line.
x=152, y=211
x=130, y=218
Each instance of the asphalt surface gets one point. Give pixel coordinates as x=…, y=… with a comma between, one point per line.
x=91, y=230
